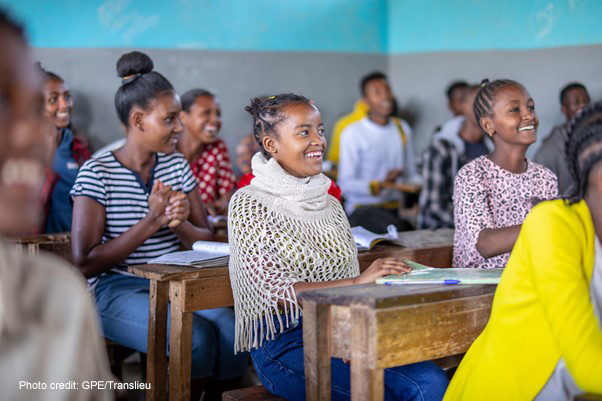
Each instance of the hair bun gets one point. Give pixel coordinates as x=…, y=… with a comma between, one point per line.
x=134, y=63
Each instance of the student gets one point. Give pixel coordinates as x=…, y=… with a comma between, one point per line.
x=375, y=150
x=360, y=110
x=573, y=98
x=245, y=150
x=70, y=152
x=458, y=142
x=493, y=194
x=205, y=152
x=48, y=328
x=287, y=235
x=137, y=203
x=544, y=338
x=455, y=95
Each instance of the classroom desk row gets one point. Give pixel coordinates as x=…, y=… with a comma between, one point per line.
x=187, y=289
x=373, y=326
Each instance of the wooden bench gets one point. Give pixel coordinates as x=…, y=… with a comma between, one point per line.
x=255, y=393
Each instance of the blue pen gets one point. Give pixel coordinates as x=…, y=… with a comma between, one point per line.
x=448, y=281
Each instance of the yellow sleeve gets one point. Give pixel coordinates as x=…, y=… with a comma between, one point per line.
x=333, y=147
x=555, y=242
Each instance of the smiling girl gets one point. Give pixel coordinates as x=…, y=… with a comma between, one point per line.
x=287, y=235
x=137, y=203
x=494, y=193
x=70, y=152
x=544, y=338
x=205, y=151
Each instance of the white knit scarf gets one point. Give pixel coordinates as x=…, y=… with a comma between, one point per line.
x=299, y=195
x=282, y=230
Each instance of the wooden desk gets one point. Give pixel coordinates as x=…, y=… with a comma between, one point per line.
x=58, y=244
x=378, y=326
x=190, y=289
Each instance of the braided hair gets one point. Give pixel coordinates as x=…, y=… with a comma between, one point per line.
x=269, y=112
x=483, y=102
x=583, y=148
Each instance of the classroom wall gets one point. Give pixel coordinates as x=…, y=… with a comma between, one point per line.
x=328, y=79
x=358, y=26
x=241, y=49
x=543, y=72
x=436, y=25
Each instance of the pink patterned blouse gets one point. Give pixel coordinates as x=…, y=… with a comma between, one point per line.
x=213, y=172
x=487, y=196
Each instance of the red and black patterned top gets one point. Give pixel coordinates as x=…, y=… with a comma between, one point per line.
x=213, y=172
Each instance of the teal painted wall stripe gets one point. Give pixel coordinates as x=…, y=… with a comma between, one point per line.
x=434, y=25
x=238, y=25
x=356, y=26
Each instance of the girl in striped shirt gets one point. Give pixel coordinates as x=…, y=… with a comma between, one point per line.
x=139, y=202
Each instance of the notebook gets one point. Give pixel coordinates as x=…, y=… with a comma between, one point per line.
x=203, y=254
x=422, y=274
x=365, y=240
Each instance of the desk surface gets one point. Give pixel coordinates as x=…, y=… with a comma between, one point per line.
x=378, y=296
x=420, y=239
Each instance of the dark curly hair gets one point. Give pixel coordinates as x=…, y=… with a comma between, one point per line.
x=268, y=112
x=583, y=148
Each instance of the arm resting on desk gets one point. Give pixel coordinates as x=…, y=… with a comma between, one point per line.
x=496, y=241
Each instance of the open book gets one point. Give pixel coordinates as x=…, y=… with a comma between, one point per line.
x=203, y=254
x=365, y=239
x=422, y=274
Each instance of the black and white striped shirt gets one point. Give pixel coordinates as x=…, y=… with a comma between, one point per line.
x=125, y=199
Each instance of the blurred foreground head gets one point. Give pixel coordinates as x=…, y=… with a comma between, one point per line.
x=23, y=139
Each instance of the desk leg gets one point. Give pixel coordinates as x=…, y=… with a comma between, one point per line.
x=156, y=365
x=180, y=345
x=316, y=349
x=367, y=383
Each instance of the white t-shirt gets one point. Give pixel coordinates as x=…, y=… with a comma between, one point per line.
x=368, y=152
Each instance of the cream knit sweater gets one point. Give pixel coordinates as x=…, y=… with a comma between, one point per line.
x=282, y=230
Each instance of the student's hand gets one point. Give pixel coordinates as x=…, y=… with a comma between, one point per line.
x=221, y=206
x=178, y=209
x=393, y=174
x=382, y=267
x=211, y=209
x=158, y=201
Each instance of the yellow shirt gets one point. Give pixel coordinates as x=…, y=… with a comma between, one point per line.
x=359, y=111
x=541, y=312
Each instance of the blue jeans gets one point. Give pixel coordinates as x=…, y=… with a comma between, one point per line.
x=123, y=301
x=279, y=365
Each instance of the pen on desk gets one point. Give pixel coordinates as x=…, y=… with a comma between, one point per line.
x=449, y=281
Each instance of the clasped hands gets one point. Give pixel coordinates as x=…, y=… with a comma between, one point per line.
x=168, y=206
